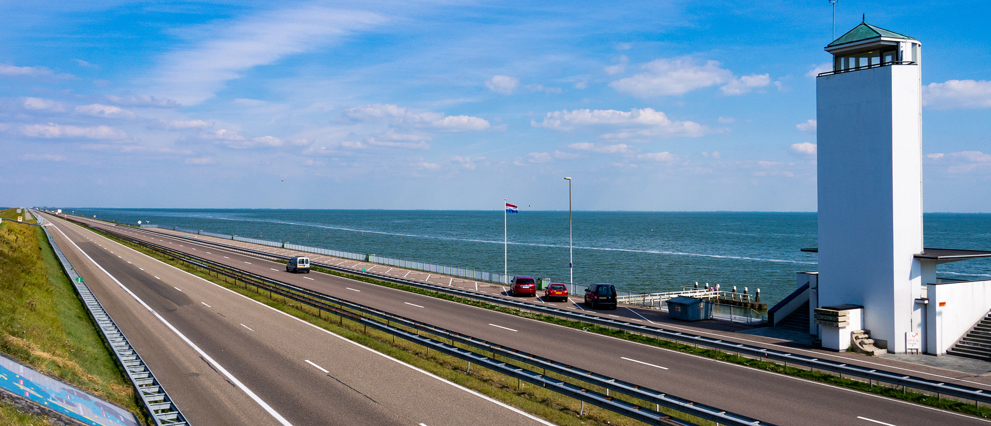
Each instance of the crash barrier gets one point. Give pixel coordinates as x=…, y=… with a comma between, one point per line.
x=395, y=324
x=787, y=358
x=156, y=401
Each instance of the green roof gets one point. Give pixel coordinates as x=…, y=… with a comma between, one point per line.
x=866, y=31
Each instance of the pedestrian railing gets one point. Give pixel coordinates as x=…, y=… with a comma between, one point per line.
x=211, y=234
x=453, y=271
x=326, y=252
x=252, y=240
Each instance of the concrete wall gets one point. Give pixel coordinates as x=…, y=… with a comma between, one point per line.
x=870, y=196
x=963, y=305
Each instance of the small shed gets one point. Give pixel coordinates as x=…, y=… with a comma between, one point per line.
x=689, y=308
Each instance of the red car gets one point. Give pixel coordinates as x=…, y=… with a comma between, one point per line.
x=556, y=291
x=523, y=286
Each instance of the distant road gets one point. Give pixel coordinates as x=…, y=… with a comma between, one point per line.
x=755, y=393
x=228, y=360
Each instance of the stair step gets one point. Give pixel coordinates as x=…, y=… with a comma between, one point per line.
x=975, y=355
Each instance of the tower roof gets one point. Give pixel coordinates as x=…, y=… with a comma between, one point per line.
x=866, y=31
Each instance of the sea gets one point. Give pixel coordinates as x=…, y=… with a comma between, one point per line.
x=639, y=252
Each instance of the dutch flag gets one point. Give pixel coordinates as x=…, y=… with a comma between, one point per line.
x=511, y=208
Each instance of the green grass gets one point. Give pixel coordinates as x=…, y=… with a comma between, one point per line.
x=932, y=400
x=11, y=214
x=44, y=324
x=11, y=415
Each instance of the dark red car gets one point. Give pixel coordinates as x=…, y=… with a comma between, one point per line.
x=556, y=291
x=523, y=286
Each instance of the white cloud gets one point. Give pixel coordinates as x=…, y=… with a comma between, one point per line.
x=808, y=127
x=618, y=68
x=726, y=120
x=16, y=71
x=634, y=123
x=542, y=88
x=227, y=135
x=620, y=148
x=187, y=124
x=936, y=156
x=745, y=84
x=43, y=157
x=963, y=162
x=397, y=115
x=85, y=64
x=675, y=76
x=624, y=46
x=561, y=155
x=201, y=161
x=234, y=139
x=502, y=84
x=409, y=145
x=539, y=157
x=107, y=111
x=957, y=94
x=817, y=69
x=804, y=148
x=268, y=141
x=143, y=101
x=581, y=85
x=52, y=130
x=466, y=161
x=664, y=157
x=430, y=166
x=39, y=104
x=227, y=48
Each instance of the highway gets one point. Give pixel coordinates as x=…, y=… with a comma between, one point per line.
x=767, y=396
x=229, y=360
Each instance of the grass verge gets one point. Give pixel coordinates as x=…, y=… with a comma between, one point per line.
x=44, y=325
x=922, y=398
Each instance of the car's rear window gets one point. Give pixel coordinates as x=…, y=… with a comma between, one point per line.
x=606, y=290
x=557, y=287
x=525, y=281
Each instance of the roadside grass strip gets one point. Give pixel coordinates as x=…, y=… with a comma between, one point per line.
x=43, y=323
x=896, y=392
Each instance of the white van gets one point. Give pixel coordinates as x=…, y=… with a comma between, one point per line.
x=298, y=264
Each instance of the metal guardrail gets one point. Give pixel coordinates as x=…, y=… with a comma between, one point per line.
x=872, y=374
x=158, y=403
x=387, y=323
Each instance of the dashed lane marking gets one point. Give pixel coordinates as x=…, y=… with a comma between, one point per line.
x=504, y=328
x=418, y=306
x=644, y=363
x=317, y=366
x=249, y=328
x=204, y=304
x=874, y=421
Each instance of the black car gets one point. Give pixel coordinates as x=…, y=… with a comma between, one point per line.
x=597, y=295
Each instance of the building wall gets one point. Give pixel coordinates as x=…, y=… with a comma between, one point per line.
x=870, y=195
x=964, y=304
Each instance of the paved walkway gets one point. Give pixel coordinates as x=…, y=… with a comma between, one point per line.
x=43, y=390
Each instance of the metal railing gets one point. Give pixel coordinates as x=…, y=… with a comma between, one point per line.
x=326, y=252
x=864, y=67
x=453, y=271
x=277, y=244
x=842, y=368
x=390, y=324
x=215, y=235
x=156, y=401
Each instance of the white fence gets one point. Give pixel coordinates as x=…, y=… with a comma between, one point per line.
x=211, y=234
x=326, y=252
x=257, y=241
x=441, y=269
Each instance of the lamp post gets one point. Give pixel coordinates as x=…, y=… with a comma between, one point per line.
x=571, y=242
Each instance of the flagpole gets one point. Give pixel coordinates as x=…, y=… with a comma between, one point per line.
x=505, y=243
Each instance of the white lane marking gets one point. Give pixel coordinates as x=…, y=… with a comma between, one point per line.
x=614, y=316
x=208, y=359
x=504, y=328
x=638, y=314
x=273, y=269
x=572, y=301
x=128, y=261
x=141, y=269
x=177, y=288
x=428, y=277
x=157, y=278
x=208, y=253
x=349, y=288
x=538, y=299
x=875, y=421
x=193, y=248
x=249, y=328
x=225, y=257
x=418, y=306
x=248, y=262
x=449, y=282
x=311, y=279
x=644, y=363
x=407, y=273
x=317, y=366
x=390, y=269
x=204, y=304
x=476, y=286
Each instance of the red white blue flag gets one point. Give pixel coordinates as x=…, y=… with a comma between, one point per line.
x=511, y=208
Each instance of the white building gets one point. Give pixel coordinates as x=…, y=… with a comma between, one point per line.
x=872, y=263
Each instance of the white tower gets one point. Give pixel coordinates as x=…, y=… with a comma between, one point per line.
x=869, y=113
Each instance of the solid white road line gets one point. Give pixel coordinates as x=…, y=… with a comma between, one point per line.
x=349, y=288
x=449, y=282
x=504, y=328
x=428, y=277
x=206, y=357
x=177, y=288
x=538, y=299
x=390, y=269
x=317, y=366
x=141, y=269
x=644, y=363
x=204, y=304
x=311, y=279
x=638, y=314
x=273, y=269
x=572, y=301
x=157, y=278
x=875, y=421
x=418, y=306
x=248, y=262
x=407, y=273
x=249, y=328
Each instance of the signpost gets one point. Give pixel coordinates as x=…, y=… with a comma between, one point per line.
x=913, y=341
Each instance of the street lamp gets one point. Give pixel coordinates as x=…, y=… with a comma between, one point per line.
x=571, y=242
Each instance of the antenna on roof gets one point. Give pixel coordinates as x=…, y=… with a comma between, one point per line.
x=863, y=18
x=833, y=2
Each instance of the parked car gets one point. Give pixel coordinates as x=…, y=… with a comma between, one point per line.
x=298, y=264
x=523, y=286
x=597, y=295
x=556, y=291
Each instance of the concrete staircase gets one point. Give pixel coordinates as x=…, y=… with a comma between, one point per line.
x=860, y=341
x=798, y=320
x=976, y=343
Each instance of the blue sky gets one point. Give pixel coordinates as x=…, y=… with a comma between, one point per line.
x=436, y=105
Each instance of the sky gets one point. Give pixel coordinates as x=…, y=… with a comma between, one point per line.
x=650, y=106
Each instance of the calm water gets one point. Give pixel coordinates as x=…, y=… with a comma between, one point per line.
x=637, y=251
